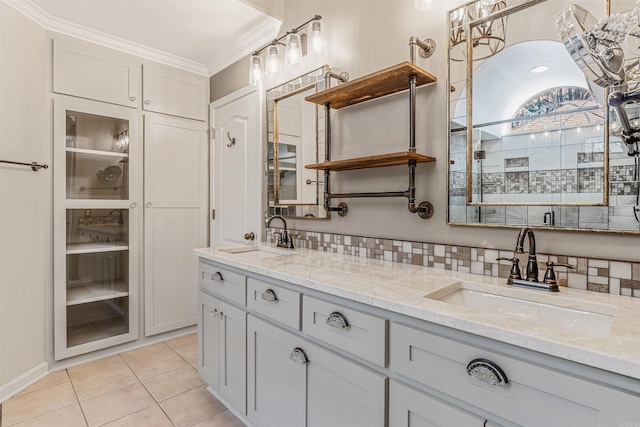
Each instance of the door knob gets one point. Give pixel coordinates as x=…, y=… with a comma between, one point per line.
x=249, y=236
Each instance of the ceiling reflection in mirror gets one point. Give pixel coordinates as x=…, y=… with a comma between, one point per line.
x=295, y=137
x=530, y=141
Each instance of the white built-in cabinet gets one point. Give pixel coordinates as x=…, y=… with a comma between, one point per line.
x=130, y=191
x=175, y=219
x=87, y=70
x=314, y=359
x=97, y=214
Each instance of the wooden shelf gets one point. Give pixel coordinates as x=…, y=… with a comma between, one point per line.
x=385, y=82
x=377, y=161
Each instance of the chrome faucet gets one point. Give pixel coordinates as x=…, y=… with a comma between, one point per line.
x=120, y=218
x=285, y=239
x=532, y=264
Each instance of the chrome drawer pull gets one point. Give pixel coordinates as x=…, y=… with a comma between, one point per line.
x=298, y=356
x=269, y=296
x=217, y=277
x=487, y=371
x=337, y=320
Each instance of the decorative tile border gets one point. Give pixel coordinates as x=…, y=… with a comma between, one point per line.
x=599, y=275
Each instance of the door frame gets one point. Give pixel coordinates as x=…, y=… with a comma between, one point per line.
x=259, y=161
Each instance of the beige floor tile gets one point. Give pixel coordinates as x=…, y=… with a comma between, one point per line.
x=191, y=407
x=51, y=379
x=155, y=363
x=221, y=419
x=152, y=416
x=143, y=352
x=187, y=347
x=116, y=404
x=95, y=366
x=70, y=416
x=173, y=383
x=30, y=405
x=103, y=381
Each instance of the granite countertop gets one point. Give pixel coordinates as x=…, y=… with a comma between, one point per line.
x=402, y=288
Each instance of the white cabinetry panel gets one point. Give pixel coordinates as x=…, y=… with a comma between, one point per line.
x=91, y=71
x=176, y=92
x=175, y=194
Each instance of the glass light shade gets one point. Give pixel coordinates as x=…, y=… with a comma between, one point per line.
x=272, y=67
x=488, y=2
x=423, y=4
x=318, y=43
x=293, y=52
x=255, y=70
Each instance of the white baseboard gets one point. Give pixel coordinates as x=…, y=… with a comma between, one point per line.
x=23, y=381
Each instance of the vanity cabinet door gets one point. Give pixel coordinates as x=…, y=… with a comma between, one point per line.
x=209, y=339
x=233, y=355
x=293, y=382
x=409, y=407
x=95, y=72
x=276, y=383
x=222, y=348
x=175, y=92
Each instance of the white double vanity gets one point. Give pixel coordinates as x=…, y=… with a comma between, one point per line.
x=307, y=338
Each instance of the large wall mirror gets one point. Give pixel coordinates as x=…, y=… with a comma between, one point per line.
x=529, y=136
x=295, y=138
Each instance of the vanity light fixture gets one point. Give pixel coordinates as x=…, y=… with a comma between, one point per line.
x=295, y=45
x=293, y=52
x=255, y=70
x=487, y=35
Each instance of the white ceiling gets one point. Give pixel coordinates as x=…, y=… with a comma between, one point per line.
x=208, y=34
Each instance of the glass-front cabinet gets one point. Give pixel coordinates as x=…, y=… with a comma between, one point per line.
x=96, y=216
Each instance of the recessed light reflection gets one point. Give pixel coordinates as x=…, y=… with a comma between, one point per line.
x=539, y=69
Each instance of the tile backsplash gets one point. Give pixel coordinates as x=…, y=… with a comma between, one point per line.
x=599, y=275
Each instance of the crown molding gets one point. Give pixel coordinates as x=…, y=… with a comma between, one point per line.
x=243, y=47
x=50, y=22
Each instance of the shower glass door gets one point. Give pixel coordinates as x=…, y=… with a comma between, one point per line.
x=95, y=191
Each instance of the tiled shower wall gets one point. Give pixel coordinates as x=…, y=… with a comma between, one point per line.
x=599, y=275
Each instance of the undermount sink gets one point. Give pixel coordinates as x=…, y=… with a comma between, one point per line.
x=256, y=252
x=584, y=317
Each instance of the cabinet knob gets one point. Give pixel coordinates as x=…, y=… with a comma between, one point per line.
x=219, y=315
x=148, y=204
x=213, y=312
x=298, y=356
x=132, y=98
x=337, y=320
x=133, y=205
x=217, y=276
x=487, y=371
x=269, y=296
x=147, y=102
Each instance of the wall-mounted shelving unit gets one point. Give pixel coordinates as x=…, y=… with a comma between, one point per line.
x=391, y=80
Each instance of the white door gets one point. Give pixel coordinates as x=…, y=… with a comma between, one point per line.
x=237, y=171
x=175, y=214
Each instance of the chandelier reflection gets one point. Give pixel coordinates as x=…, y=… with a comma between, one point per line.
x=487, y=35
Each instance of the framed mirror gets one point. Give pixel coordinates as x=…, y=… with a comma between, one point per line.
x=295, y=137
x=529, y=139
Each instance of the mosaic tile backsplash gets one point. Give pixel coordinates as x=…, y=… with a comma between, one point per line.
x=599, y=275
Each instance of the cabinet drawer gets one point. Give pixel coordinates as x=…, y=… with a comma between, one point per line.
x=359, y=333
x=223, y=283
x=279, y=304
x=533, y=395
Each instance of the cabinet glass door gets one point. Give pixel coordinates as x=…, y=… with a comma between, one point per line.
x=95, y=233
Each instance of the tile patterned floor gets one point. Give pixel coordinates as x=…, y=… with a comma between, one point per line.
x=154, y=386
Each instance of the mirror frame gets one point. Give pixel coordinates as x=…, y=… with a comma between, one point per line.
x=316, y=80
x=468, y=28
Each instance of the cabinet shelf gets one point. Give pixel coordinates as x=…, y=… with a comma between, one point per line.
x=381, y=83
x=92, y=247
x=96, y=152
x=380, y=160
x=92, y=292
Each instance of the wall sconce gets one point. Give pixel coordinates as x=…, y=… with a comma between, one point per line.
x=487, y=37
x=295, y=48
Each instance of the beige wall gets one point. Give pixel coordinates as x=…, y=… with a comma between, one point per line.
x=24, y=221
x=368, y=35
